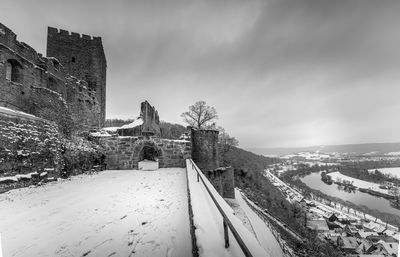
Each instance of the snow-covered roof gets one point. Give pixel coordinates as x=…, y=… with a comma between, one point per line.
x=349, y=242
x=364, y=234
x=390, y=247
x=100, y=133
x=135, y=123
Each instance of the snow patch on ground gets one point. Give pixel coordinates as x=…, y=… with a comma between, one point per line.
x=392, y=172
x=357, y=182
x=100, y=133
x=112, y=213
x=264, y=235
x=148, y=165
x=239, y=212
x=18, y=177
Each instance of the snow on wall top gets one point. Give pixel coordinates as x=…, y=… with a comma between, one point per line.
x=208, y=222
x=18, y=113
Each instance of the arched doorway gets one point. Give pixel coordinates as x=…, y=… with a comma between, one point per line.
x=149, y=156
x=149, y=153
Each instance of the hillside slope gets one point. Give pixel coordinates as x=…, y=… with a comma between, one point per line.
x=249, y=178
x=379, y=148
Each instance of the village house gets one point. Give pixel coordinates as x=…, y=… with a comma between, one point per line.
x=348, y=244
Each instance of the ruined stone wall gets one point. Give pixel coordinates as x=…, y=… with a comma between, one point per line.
x=151, y=121
x=50, y=105
x=123, y=152
x=223, y=181
x=82, y=57
x=150, y=126
x=27, y=144
x=27, y=91
x=83, y=104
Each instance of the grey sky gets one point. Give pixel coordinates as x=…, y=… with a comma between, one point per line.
x=279, y=72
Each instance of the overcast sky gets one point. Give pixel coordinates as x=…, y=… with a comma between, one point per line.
x=279, y=72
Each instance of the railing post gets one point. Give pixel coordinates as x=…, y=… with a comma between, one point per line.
x=198, y=176
x=226, y=235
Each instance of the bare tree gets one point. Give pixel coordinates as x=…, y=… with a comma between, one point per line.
x=226, y=143
x=226, y=140
x=200, y=115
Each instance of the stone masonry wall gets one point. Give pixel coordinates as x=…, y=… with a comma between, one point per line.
x=223, y=181
x=50, y=105
x=36, y=73
x=205, y=149
x=205, y=154
x=27, y=144
x=123, y=152
x=83, y=57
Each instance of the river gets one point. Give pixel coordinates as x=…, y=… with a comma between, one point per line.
x=373, y=202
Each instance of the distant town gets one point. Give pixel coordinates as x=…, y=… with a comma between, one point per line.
x=348, y=228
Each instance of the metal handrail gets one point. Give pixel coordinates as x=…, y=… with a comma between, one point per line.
x=226, y=222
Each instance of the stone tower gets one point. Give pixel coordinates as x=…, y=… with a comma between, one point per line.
x=83, y=57
x=205, y=148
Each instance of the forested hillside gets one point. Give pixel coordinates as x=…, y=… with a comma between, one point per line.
x=249, y=177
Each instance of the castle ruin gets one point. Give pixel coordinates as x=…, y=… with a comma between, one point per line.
x=65, y=93
x=67, y=87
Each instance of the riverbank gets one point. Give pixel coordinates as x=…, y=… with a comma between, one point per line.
x=336, y=222
x=391, y=172
x=337, y=176
x=366, y=203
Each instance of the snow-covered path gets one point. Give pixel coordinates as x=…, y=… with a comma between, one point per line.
x=113, y=213
x=263, y=233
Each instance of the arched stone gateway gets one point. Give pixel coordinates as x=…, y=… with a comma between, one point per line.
x=149, y=153
x=126, y=152
x=148, y=150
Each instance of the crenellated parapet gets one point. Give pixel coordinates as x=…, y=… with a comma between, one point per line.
x=23, y=72
x=82, y=57
x=9, y=39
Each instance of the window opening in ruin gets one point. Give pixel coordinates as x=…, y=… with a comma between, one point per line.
x=8, y=71
x=73, y=59
x=13, y=71
x=148, y=153
x=51, y=84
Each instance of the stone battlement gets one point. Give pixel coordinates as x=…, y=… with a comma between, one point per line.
x=73, y=35
x=9, y=39
x=24, y=73
x=83, y=57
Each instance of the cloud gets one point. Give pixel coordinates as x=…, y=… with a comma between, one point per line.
x=279, y=72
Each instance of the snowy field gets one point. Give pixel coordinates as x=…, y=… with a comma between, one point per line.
x=357, y=182
x=113, y=213
x=392, y=172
